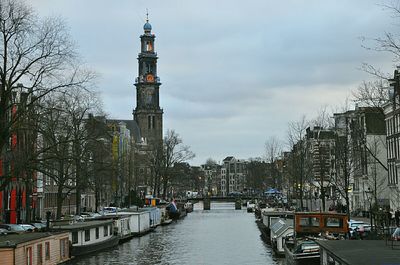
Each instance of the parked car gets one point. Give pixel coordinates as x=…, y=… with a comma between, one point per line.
x=396, y=234
x=90, y=215
x=234, y=194
x=362, y=231
x=353, y=227
x=39, y=226
x=28, y=227
x=4, y=231
x=13, y=228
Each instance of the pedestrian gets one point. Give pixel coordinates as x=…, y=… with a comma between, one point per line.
x=388, y=217
x=397, y=217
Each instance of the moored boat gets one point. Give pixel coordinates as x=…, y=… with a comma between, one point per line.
x=91, y=236
x=269, y=217
x=302, y=247
x=279, y=231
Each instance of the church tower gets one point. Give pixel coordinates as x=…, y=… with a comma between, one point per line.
x=148, y=114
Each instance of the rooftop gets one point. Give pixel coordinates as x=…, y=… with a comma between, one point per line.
x=7, y=241
x=83, y=225
x=366, y=252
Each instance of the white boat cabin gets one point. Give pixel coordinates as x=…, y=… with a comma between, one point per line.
x=86, y=233
x=139, y=222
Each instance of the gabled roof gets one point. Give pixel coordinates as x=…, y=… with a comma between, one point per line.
x=281, y=226
x=228, y=158
x=132, y=126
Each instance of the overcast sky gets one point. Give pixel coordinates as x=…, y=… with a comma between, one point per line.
x=233, y=73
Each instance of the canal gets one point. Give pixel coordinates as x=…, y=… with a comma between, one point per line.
x=219, y=236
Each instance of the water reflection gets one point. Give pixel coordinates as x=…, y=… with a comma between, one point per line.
x=219, y=236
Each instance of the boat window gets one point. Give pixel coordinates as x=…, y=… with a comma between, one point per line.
x=39, y=254
x=64, y=251
x=74, y=237
x=87, y=235
x=105, y=228
x=47, y=250
x=29, y=256
x=97, y=233
x=309, y=221
x=333, y=222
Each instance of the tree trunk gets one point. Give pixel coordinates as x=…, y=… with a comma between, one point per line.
x=78, y=199
x=59, y=201
x=28, y=202
x=96, y=197
x=165, y=186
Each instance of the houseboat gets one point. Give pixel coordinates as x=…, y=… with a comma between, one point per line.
x=122, y=225
x=34, y=248
x=165, y=219
x=302, y=247
x=279, y=231
x=139, y=222
x=91, y=236
x=155, y=216
x=269, y=217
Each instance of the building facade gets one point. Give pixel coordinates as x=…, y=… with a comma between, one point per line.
x=364, y=130
x=392, y=120
x=233, y=176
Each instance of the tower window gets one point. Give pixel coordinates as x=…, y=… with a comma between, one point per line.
x=151, y=124
x=149, y=46
x=149, y=68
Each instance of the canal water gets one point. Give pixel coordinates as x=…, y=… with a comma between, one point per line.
x=221, y=235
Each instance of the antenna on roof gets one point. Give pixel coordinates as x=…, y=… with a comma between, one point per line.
x=147, y=15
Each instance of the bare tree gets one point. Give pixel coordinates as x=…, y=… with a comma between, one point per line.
x=273, y=148
x=296, y=134
x=174, y=152
x=37, y=57
x=64, y=155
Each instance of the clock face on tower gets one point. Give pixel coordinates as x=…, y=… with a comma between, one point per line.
x=150, y=78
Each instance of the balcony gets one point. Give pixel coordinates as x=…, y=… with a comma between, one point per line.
x=148, y=54
x=142, y=80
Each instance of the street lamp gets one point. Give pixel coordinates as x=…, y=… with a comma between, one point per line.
x=369, y=195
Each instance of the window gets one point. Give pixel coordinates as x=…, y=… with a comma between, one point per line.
x=149, y=122
x=87, y=235
x=29, y=256
x=97, y=233
x=39, y=254
x=64, y=248
x=149, y=46
x=105, y=228
x=333, y=222
x=47, y=250
x=74, y=237
x=309, y=221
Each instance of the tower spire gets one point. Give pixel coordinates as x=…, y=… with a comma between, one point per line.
x=147, y=26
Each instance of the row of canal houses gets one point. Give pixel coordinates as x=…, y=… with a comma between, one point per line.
x=68, y=239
